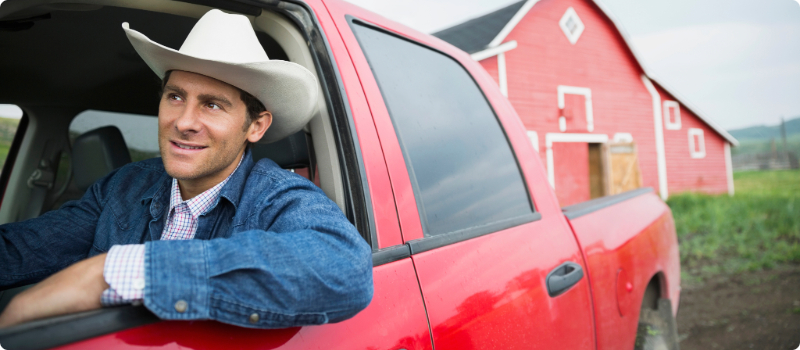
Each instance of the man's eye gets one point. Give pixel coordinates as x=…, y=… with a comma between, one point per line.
x=174, y=97
x=213, y=106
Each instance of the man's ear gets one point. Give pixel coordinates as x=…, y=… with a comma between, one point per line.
x=259, y=126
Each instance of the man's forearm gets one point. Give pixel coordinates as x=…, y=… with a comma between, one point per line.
x=74, y=289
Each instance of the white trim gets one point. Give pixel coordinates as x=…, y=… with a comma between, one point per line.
x=534, y=137
x=623, y=137
x=494, y=51
x=571, y=36
x=661, y=159
x=562, y=124
x=550, y=138
x=729, y=168
x=587, y=94
x=501, y=74
x=668, y=122
x=512, y=23
x=694, y=151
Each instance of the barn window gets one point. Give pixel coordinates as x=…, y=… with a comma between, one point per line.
x=672, y=115
x=572, y=25
x=697, y=144
x=575, y=107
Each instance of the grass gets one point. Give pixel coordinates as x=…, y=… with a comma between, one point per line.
x=8, y=127
x=758, y=228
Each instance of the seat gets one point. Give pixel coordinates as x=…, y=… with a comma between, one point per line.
x=96, y=153
x=291, y=152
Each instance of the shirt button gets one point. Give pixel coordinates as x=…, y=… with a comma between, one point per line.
x=253, y=318
x=181, y=306
x=138, y=283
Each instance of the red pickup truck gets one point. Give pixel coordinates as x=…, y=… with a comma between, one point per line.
x=415, y=143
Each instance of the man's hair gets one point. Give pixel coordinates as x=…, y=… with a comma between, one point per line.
x=254, y=106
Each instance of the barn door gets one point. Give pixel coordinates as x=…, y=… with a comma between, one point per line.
x=622, y=167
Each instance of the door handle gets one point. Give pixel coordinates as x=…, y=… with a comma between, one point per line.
x=563, y=277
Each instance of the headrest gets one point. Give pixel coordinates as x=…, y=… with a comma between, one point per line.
x=291, y=152
x=96, y=153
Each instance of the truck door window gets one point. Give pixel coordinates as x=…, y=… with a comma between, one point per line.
x=462, y=168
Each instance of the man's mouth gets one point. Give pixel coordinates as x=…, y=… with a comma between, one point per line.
x=187, y=146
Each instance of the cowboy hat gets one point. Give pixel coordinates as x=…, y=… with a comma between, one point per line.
x=224, y=47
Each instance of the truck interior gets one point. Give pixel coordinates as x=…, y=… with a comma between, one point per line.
x=63, y=60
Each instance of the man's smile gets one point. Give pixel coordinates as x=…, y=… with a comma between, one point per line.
x=187, y=146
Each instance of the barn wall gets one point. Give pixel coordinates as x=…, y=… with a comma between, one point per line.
x=599, y=60
x=685, y=173
x=490, y=65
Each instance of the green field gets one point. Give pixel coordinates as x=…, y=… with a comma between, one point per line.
x=8, y=127
x=757, y=228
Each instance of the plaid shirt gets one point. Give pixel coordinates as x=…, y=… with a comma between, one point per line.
x=124, y=267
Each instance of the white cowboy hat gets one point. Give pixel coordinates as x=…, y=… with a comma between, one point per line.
x=224, y=47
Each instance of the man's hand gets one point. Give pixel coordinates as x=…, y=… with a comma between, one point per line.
x=74, y=289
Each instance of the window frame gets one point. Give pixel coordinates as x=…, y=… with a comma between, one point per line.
x=669, y=124
x=429, y=242
x=694, y=151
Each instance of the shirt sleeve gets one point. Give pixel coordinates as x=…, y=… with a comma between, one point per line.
x=124, y=273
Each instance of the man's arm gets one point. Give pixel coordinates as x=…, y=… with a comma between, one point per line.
x=34, y=249
x=74, y=289
x=300, y=263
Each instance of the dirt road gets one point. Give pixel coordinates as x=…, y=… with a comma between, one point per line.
x=754, y=310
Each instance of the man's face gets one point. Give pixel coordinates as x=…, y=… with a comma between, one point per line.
x=201, y=127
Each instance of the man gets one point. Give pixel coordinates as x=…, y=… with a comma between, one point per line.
x=202, y=232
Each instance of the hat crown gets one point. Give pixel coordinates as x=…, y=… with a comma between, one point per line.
x=224, y=37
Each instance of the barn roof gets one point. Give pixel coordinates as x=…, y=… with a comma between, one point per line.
x=490, y=30
x=475, y=35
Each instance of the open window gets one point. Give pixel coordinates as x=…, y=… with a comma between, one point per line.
x=72, y=61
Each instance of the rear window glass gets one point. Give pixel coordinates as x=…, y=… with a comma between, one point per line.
x=461, y=166
x=139, y=131
x=10, y=116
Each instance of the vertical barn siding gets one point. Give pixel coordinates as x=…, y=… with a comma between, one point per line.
x=599, y=60
x=685, y=173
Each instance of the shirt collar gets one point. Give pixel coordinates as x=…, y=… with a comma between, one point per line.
x=203, y=202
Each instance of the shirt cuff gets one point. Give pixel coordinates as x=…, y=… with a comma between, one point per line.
x=124, y=273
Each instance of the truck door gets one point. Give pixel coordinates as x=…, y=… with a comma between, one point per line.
x=485, y=231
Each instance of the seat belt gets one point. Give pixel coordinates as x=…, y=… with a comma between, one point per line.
x=41, y=181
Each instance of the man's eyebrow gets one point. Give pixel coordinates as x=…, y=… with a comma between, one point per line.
x=215, y=98
x=176, y=89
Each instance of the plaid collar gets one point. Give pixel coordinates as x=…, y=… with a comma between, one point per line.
x=201, y=203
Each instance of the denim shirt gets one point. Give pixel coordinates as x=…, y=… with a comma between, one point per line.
x=273, y=245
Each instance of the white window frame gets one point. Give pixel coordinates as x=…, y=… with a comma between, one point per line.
x=572, y=37
x=669, y=123
x=574, y=90
x=694, y=151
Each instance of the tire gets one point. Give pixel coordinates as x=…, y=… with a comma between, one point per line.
x=657, y=328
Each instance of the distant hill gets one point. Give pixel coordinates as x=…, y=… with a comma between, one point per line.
x=763, y=132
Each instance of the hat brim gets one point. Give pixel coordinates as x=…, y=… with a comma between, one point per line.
x=288, y=90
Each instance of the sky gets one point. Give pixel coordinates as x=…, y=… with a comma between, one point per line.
x=736, y=61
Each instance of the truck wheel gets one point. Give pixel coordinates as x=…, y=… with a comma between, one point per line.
x=657, y=329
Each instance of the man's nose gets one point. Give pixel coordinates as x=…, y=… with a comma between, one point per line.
x=188, y=121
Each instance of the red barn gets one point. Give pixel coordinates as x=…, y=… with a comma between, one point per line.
x=600, y=123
